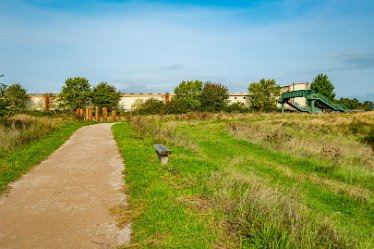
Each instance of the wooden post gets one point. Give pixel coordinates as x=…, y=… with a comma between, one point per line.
x=105, y=114
x=77, y=113
x=114, y=115
x=97, y=114
x=89, y=115
x=81, y=113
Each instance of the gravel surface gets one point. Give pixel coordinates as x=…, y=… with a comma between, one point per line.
x=64, y=201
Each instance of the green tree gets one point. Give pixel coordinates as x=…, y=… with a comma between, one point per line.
x=323, y=85
x=264, y=95
x=213, y=97
x=187, y=93
x=16, y=97
x=76, y=93
x=105, y=95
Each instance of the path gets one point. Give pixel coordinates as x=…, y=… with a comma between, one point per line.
x=64, y=202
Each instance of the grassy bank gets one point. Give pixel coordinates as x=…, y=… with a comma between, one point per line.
x=27, y=140
x=251, y=181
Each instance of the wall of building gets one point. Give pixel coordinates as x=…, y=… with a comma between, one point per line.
x=295, y=87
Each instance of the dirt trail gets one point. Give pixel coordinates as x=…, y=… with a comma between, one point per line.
x=64, y=202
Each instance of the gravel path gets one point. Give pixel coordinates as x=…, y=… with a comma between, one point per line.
x=64, y=202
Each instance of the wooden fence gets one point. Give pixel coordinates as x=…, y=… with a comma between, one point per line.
x=88, y=114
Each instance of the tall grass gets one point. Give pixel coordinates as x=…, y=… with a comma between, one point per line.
x=26, y=140
x=327, y=137
x=21, y=129
x=264, y=217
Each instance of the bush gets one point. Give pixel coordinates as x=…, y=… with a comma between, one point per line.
x=150, y=106
x=237, y=107
x=177, y=106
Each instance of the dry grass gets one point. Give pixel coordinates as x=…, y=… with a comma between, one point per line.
x=167, y=134
x=21, y=129
x=122, y=215
x=329, y=137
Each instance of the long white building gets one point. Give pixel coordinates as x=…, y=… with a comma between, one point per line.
x=129, y=100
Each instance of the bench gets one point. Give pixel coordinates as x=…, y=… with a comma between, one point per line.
x=162, y=153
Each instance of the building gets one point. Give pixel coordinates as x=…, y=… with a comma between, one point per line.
x=295, y=87
x=127, y=102
x=130, y=100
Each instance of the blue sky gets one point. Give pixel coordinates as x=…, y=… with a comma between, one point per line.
x=151, y=46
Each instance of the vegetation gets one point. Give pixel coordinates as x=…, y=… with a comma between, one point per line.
x=264, y=95
x=105, y=95
x=250, y=180
x=76, y=93
x=26, y=140
x=16, y=96
x=187, y=95
x=191, y=96
x=323, y=85
x=355, y=104
x=213, y=97
x=150, y=106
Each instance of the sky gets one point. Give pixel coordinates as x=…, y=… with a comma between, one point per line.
x=151, y=46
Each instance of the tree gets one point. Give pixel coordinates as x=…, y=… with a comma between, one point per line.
x=16, y=96
x=188, y=93
x=264, y=95
x=323, y=85
x=76, y=93
x=213, y=97
x=105, y=95
x=350, y=103
x=368, y=105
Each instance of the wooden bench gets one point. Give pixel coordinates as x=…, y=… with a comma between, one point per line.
x=162, y=153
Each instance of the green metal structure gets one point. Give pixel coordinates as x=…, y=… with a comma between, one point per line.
x=312, y=98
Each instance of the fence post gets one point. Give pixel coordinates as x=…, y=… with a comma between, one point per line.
x=97, y=114
x=105, y=114
x=114, y=115
x=77, y=113
x=89, y=113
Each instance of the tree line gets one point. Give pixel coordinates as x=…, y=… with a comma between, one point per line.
x=189, y=96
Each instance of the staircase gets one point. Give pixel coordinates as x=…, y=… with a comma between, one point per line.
x=312, y=99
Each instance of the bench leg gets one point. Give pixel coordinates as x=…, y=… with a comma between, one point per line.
x=164, y=159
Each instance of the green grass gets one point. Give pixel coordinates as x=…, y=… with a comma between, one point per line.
x=16, y=162
x=161, y=220
x=225, y=190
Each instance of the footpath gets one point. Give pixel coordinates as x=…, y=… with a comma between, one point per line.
x=65, y=201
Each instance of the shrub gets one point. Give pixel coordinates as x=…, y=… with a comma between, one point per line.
x=237, y=107
x=151, y=106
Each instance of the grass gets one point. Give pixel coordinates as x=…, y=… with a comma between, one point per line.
x=28, y=140
x=250, y=180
